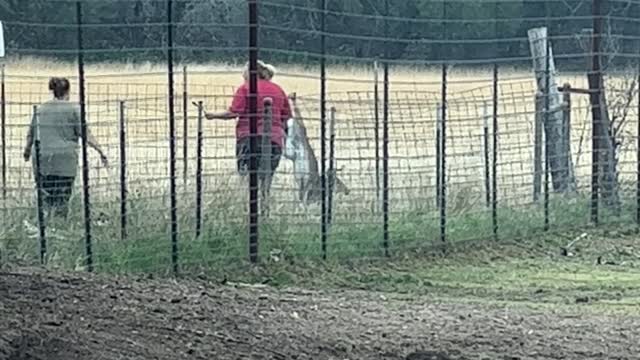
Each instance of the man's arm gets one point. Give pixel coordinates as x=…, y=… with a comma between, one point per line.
x=226, y=115
x=238, y=106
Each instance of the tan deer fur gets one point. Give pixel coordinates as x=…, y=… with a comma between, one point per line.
x=305, y=163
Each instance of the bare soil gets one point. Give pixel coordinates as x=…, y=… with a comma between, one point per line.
x=76, y=316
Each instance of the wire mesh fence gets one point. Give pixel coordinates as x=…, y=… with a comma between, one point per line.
x=446, y=143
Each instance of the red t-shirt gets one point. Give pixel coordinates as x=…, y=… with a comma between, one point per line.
x=281, y=110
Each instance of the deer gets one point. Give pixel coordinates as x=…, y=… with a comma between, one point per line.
x=305, y=163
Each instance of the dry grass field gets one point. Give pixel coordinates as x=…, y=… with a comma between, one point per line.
x=414, y=98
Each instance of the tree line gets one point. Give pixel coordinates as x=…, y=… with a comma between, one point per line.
x=477, y=31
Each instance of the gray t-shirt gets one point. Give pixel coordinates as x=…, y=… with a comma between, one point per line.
x=59, y=131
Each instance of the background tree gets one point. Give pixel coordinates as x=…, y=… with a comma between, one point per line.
x=215, y=30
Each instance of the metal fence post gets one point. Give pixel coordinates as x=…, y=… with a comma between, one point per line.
x=438, y=155
x=172, y=140
x=537, y=145
x=376, y=106
x=547, y=139
x=385, y=161
x=266, y=155
x=123, y=173
x=638, y=155
x=3, y=133
x=487, y=160
x=323, y=127
x=385, y=140
x=443, y=157
x=199, y=144
x=566, y=129
x=253, y=132
x=332, y=167
x=595, y=87
x=494, y=203
x=85, y=157
x=39, y=187
x=185, y=125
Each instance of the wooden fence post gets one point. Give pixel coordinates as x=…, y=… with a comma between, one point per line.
x=566, y=135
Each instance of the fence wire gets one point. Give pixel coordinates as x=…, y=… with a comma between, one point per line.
x=481, y=165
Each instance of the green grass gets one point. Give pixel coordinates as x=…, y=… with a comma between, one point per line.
x=524, y=273
x=523, y=266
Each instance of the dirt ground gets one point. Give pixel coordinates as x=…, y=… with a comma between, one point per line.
x=75, y=316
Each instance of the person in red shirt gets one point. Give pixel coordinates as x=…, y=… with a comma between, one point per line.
x=239, y=109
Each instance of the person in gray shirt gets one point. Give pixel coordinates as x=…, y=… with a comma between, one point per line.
x=57, y=126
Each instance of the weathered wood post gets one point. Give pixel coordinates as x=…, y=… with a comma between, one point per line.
x=544, y=70
x=604, y=169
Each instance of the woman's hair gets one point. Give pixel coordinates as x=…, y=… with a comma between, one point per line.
x=59, y=86
x=265, y=71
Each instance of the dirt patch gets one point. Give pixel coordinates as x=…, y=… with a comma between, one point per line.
x=54, y=316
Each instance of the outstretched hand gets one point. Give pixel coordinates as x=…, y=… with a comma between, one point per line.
x=226, y=115
x=207, y=115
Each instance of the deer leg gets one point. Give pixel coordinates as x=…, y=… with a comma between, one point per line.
x=305, y=202
x=300, y=199
x=296, y=196
x=300, y=190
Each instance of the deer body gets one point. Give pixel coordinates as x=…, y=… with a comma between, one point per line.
x=305, y=163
